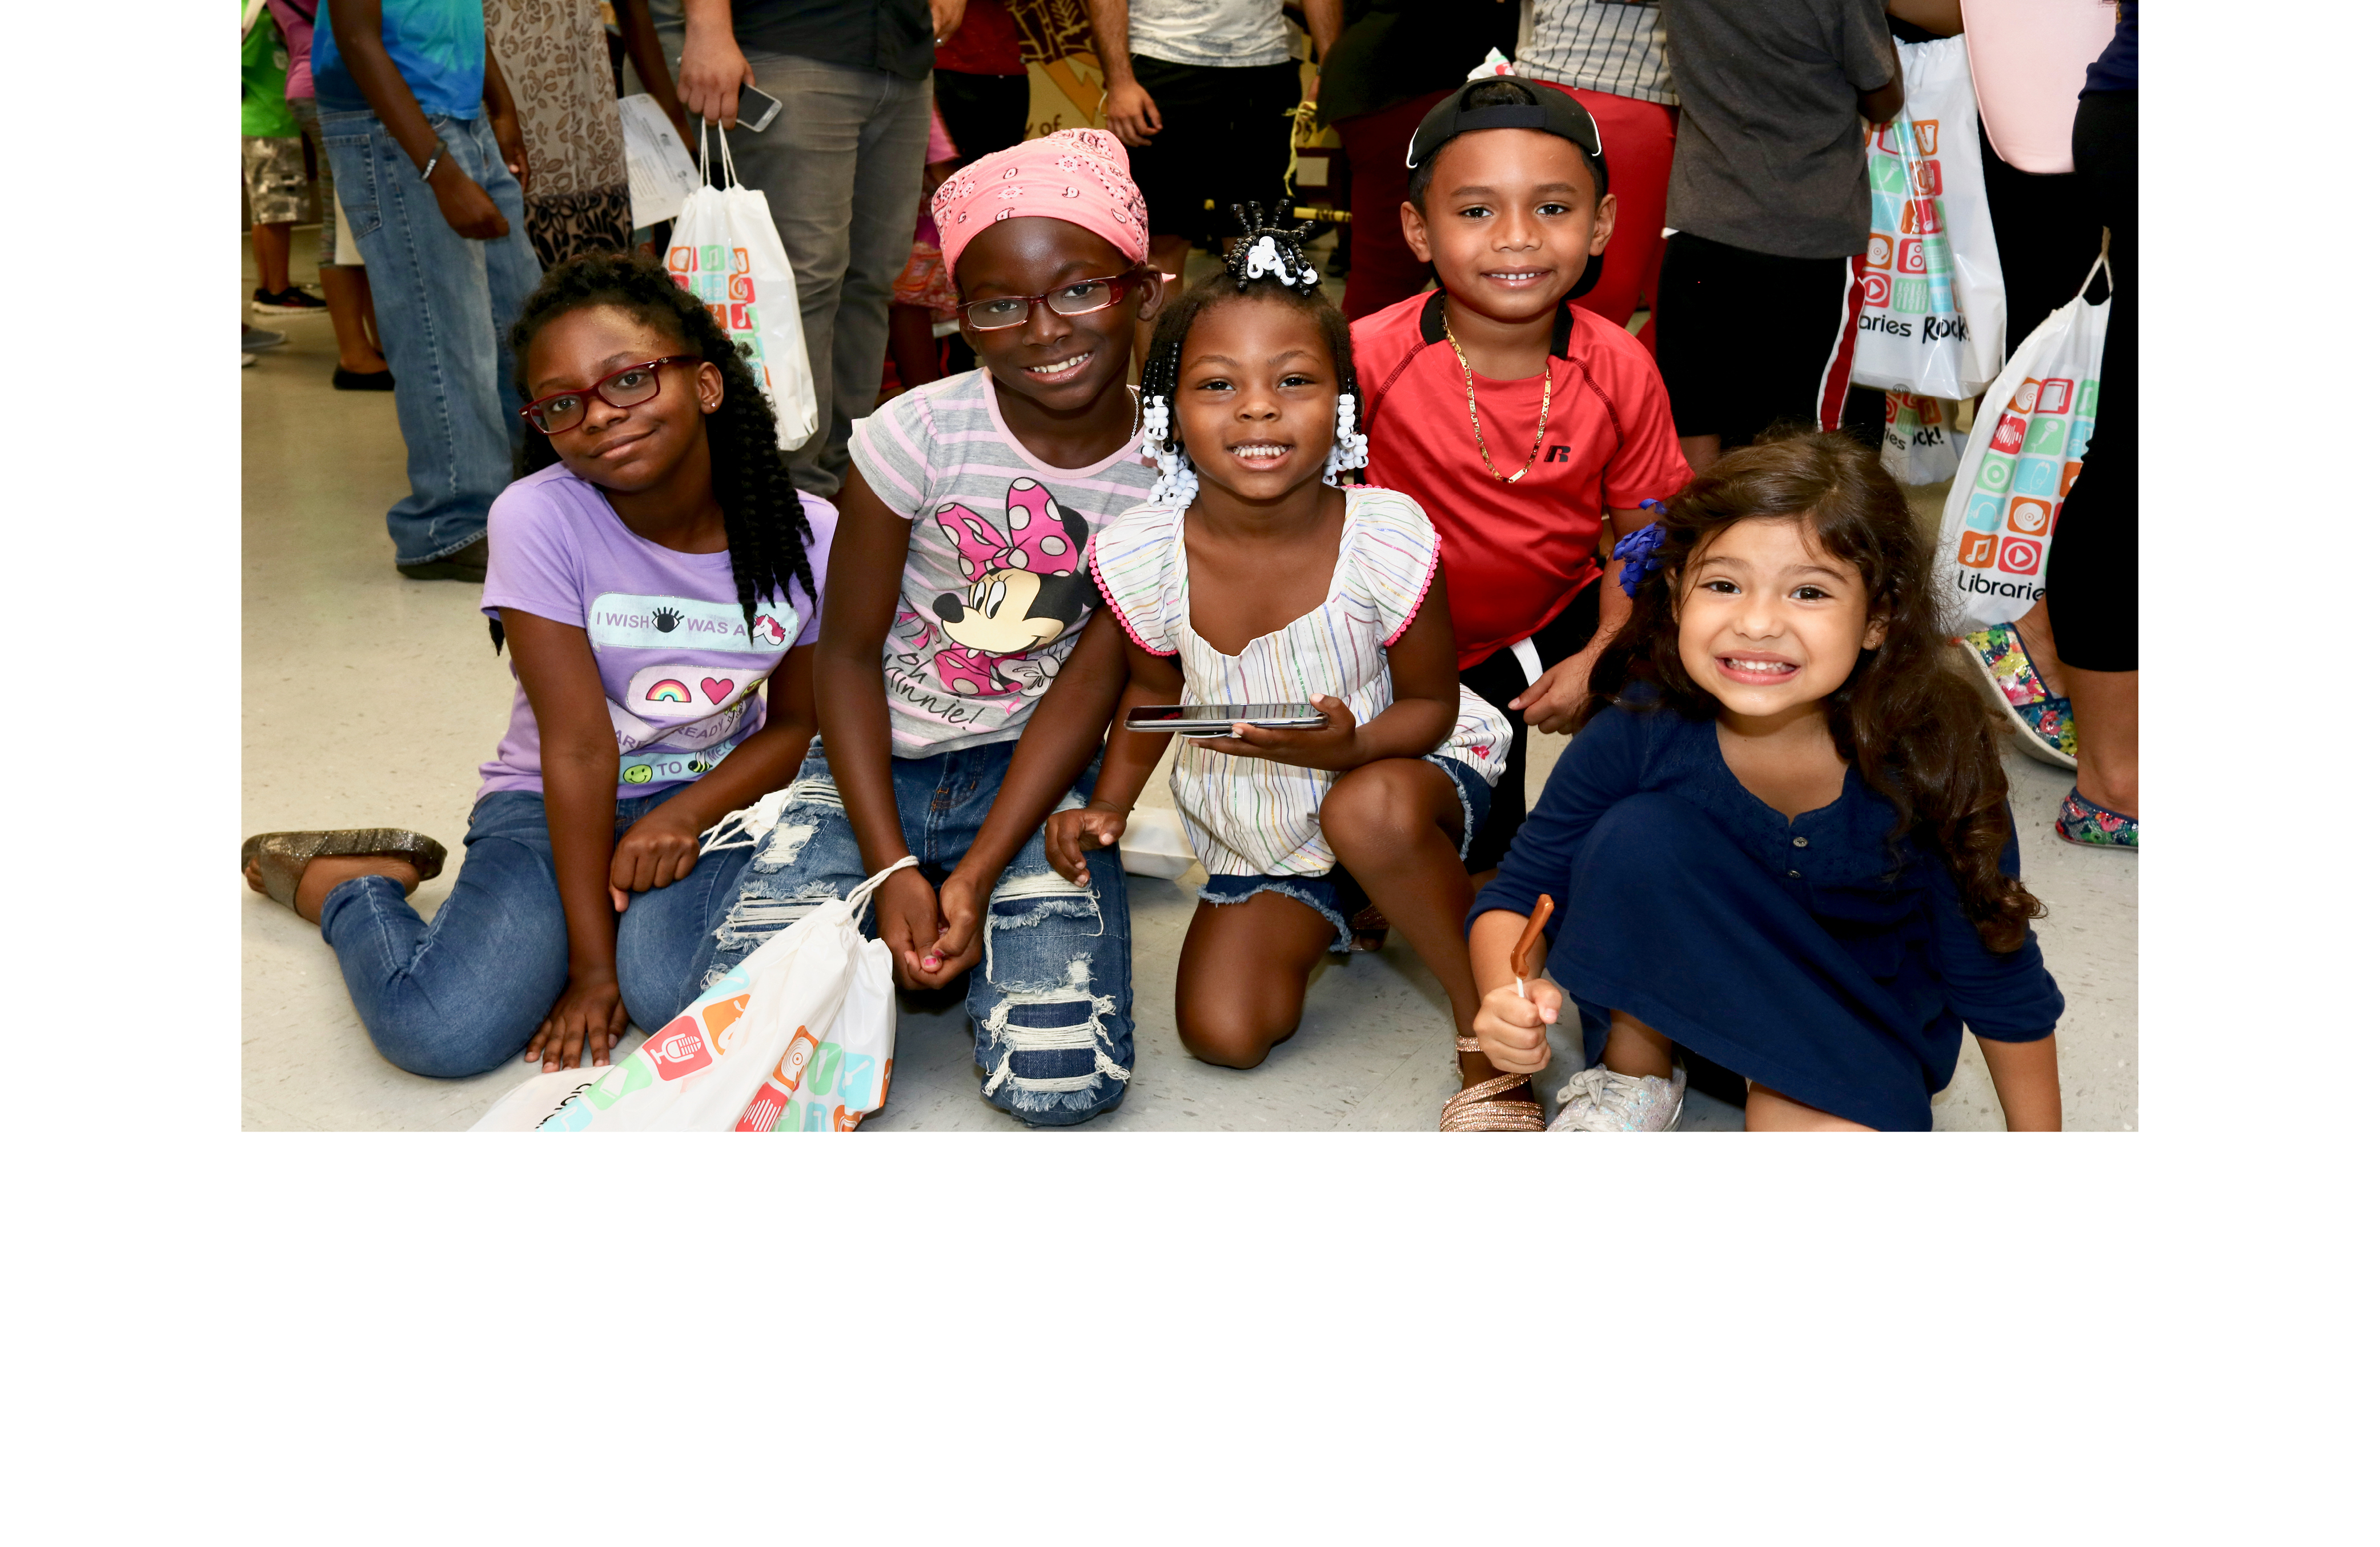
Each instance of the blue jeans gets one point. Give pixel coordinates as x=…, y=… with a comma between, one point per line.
x=462, y=993
x=1051, y=999
x=446, y=304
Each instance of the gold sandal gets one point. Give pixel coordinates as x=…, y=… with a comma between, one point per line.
x=282, y=858
x=1483, y=1108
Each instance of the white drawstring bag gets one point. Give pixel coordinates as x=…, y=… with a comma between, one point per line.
x=725, y=249
x=798, y=1037
x=1922, y=443
x=1933, y=307
x=2031, y=431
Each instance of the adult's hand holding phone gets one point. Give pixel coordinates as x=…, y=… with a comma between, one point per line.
x=712, y=72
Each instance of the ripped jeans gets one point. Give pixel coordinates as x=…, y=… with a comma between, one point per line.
x=1051, y=999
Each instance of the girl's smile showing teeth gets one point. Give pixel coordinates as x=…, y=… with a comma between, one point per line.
x=1757, y=667
x=1260, y=453
x=1062, y=367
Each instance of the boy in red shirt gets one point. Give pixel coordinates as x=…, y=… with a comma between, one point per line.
x=1530, y=429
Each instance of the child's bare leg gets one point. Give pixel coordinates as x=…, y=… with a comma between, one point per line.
x=329, y=871
x=1241, y=985
x=1767, y=1111
x=1397, y=825
x=1634, y=1048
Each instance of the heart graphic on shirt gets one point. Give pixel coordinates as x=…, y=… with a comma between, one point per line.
x=716, y=688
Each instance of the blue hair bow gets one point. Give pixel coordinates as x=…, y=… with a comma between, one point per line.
x=1635, y=550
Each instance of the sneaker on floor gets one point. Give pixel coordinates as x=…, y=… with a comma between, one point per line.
x=252, y=340
x=463, y=563
x=246, y=361
x=292, y=302
x=2042, y=721
x=2088, y=825
x=1597, y=1101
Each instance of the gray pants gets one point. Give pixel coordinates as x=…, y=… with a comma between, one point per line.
x=842, y=167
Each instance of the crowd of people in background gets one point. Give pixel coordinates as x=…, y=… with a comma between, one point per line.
x=1602, y=267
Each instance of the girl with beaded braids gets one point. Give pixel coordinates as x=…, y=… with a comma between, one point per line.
x=656, y=577
x=1257, y=575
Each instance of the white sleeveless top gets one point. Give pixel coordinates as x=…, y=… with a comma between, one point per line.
x=1247, y=816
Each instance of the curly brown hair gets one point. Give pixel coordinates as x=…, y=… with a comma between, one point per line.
x=1915, y=725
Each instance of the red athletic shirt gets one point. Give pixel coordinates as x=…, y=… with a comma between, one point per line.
x=1515, y=554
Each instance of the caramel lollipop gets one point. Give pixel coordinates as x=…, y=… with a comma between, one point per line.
x=1538, y=916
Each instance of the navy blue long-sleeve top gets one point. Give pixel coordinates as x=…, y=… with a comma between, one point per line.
x=1895, y=910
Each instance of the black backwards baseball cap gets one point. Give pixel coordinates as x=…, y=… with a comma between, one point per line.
x=1549, y=110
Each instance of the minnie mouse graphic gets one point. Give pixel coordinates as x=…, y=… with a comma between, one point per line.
x=1027, y=584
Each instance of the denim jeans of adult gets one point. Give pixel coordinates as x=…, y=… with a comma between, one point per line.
x=461, y=994
x=445, y=305
x=1051, y=999
x=843, y=166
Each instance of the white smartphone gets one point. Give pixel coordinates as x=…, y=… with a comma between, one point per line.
x=756, y=109
x=1217, y=719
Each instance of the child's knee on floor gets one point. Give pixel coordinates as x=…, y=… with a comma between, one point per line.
x=1237, y=1034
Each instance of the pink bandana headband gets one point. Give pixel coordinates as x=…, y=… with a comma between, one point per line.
x=1079, y=175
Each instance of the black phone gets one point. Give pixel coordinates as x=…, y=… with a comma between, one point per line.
x=1217, y=719
x=756, y=109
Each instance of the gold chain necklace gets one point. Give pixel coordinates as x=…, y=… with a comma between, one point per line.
x=1545, y=411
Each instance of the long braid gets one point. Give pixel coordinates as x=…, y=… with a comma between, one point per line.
x=1284, y=275
x=768, y=532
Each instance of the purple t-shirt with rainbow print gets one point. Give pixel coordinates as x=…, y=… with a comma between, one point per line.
x=681, y=677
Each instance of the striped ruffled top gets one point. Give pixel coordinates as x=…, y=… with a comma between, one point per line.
x=1247, y=816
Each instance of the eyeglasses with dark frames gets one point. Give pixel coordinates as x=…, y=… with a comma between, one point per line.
x=624, y=388
x=1078, y=298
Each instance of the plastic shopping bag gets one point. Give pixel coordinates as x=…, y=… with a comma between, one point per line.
x=2002, y=510
x=797, y=1037
x=726, y=248
x=1932, y=308
x=1920, y=445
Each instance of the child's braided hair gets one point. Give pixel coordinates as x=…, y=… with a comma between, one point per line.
x=1267, y=261
x=768, y=534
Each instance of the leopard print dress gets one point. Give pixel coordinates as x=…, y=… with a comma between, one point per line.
x=558, y=63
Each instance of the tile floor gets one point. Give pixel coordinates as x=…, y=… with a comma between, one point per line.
x=371, y=698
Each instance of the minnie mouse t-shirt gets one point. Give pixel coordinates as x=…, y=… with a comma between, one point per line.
x=995, y=588
x=681, y=675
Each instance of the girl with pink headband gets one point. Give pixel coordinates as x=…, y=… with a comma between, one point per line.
x=957, y=587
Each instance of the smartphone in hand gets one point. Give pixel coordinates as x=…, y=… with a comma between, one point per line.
x=756, y=109
x=1217, y=719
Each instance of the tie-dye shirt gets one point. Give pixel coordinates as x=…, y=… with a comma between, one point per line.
x=682, y=677
x=439, y=46
x=1247, y=816
x=995, y=591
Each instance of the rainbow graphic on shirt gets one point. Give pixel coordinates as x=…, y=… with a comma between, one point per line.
x=668, y=690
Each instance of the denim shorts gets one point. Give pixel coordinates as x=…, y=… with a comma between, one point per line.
x=1335, y=894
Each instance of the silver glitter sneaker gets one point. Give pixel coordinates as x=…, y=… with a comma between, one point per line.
x=1597, y=1101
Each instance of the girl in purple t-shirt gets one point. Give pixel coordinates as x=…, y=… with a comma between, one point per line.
x=656, y=577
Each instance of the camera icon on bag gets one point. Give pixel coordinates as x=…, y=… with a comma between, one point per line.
x=2020, y=557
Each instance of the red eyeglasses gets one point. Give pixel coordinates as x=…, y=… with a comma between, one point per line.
x=624, y=388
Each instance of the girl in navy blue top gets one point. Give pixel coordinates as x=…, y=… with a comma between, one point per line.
x=1784, y=841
